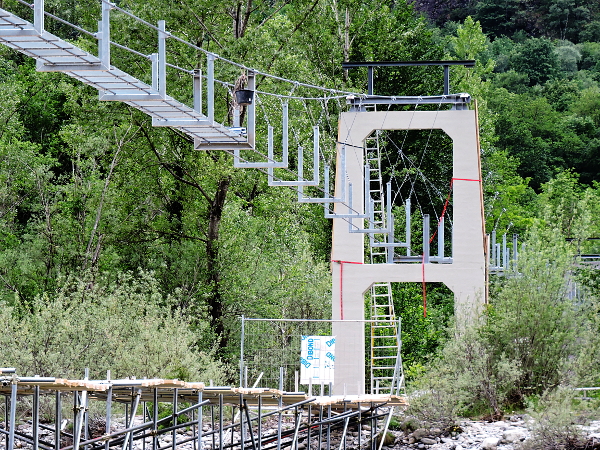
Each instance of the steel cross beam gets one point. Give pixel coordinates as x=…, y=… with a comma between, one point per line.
x=372, y=64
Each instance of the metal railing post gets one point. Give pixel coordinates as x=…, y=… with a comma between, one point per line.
x=220, y=422
x=85, y=405
x=36, y=417
x=284, y=130
x=38, y=15
x=515, y=251
x=154, y=419
x=408, y=236
x=446, y=80
x=58, y=421
x=108, y=409
x=104, y=35
x=493, y=247
x=198, y=90
x=76, y=419
x=504, y=253
x=174, y=420
x=200, y=425
x=242, y=352
x=426, y=231
x=12, y=421
x=162, y=59
x=316, y=148
x=259, y=422
x=280, y=405
x=154, y=61
x=210, y=86
x=440, y=233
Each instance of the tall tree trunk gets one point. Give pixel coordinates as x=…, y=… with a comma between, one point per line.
x=216, y=301
x=241, y=15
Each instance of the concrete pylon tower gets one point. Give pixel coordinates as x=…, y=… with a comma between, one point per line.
x=465, y=276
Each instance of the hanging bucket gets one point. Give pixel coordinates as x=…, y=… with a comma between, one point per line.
x=244, y=97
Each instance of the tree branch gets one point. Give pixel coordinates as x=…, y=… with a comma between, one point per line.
x=296, y=28
x=170, y=170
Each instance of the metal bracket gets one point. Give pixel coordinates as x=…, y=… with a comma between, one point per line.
x=129, y=97
x=350, y=214
x=200, y=145
x=186, y=123
x=91, y=67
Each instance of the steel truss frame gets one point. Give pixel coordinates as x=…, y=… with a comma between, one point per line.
x=309, y=420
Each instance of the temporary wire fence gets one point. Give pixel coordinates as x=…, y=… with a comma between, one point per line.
x=270, y=352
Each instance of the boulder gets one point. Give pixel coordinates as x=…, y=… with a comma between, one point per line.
x=490, y=443
x=512, y=436
x=428, y=441
x=527, y=418
x=420, y=433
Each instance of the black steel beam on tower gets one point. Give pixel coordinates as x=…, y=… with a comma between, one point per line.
x=371, y=64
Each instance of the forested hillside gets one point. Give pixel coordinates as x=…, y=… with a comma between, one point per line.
x=122, y=234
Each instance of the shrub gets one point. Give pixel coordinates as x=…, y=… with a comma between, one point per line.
x=531, y=321
x=555, y=427
x=536, y=336
x=465, y=380
x=125, y=325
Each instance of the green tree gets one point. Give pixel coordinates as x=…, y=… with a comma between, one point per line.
x=568, y=57
x=570, y=207
x=422, y=335
x=508, y=197
x=541, y=138
x=537, y=59
x=499, y=18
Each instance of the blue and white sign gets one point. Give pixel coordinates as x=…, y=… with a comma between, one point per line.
x=317, y=359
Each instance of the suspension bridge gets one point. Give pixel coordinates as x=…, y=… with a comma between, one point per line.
x=361, y=202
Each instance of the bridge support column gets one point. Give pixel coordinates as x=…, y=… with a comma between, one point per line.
x=352, y=278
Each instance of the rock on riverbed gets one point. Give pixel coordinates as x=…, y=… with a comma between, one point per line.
x=503, y=435
x=509, y=434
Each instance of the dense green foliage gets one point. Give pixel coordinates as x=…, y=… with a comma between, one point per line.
x=540, y=331
x=114, y=229
x=576, y=20
x=123, y=325
x=90, y=189
x=537, y=337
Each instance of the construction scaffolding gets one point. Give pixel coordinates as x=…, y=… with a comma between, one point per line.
x=212, y=417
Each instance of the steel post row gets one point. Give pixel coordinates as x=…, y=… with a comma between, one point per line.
x=206, y=417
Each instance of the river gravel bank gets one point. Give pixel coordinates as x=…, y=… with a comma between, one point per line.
x=509, y=434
